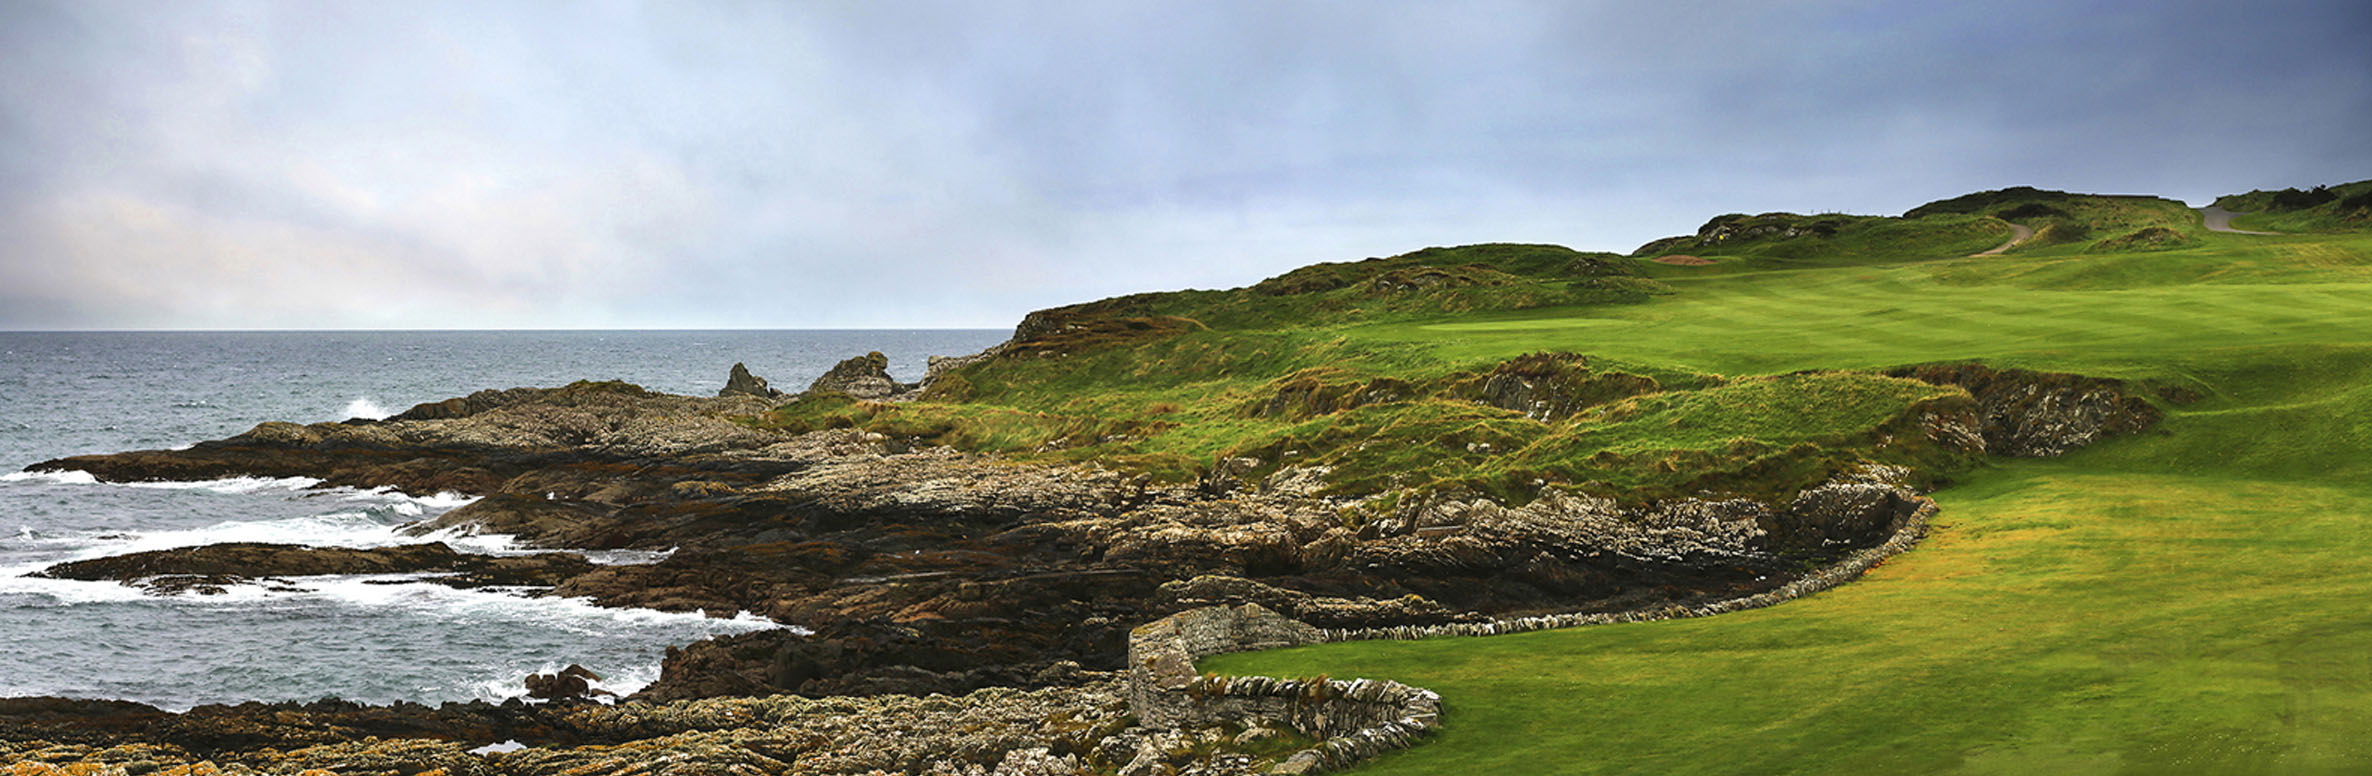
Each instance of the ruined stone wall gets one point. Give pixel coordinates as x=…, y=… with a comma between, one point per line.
x=1360, y=718
x=1352, y=720
x=1906, y=530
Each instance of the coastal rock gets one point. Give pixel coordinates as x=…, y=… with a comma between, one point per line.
x=991, y=732
x=465, y=406
x=573, y=683
x=740, y=381
x=864, y=377
x=215, y=565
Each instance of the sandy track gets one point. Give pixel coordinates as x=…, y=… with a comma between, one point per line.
x=2220, y=220
x=2018, y=234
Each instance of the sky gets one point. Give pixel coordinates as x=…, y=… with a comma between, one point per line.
x=317, y=165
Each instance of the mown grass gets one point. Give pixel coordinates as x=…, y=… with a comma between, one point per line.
x=2186, y=601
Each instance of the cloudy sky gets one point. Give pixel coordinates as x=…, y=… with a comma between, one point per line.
x=895, y=164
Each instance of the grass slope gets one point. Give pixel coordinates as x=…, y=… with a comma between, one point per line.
x=2346, y=207
x=2189, y=601
x=1300, y=370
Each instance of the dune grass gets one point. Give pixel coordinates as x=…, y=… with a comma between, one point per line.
x=2187, y=601
x=2345, y=207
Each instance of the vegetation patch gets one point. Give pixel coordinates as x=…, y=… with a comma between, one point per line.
x=2068, y=223
x=2345, y=207
x=2148, y=238
x=1788, y=239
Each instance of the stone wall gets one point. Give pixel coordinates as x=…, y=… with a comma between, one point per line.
x=1360, y=718
x=1906, y=531
x=1353, y=720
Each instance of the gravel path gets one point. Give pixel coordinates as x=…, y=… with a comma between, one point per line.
x=2220, y=220
x=2018, y=234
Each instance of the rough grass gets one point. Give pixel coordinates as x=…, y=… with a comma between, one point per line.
x=1783, y=240
x=2346, y=207
x=2187, y=601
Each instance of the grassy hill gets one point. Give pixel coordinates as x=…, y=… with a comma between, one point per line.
x=2345, y=207
x=2067, y=223
x=2187, y=601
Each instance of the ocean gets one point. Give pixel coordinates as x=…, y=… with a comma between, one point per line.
x=359, y=638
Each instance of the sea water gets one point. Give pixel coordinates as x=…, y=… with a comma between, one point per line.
x=375, y=639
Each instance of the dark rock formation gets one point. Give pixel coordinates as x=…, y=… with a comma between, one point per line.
x=208, y=568
x=574, y=683
x=465, y=406
x=740, y=381
x=1547, y=386
x=2039, y=414
x=864, y=377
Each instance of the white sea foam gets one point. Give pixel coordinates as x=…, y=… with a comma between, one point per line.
x=353, y=529
x=443, y=499
x=61, y=478
x=224, y=485
x=38, y=592
x=411, y=593
x=232, y=484
x=618, y=682
x=363, y=407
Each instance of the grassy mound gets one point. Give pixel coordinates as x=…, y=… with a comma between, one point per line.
x=2067, y=223
x=2148, y=238
x=1791, y=240
x=2345, y=207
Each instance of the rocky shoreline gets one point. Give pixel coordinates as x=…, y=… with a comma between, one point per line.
x=941, y=582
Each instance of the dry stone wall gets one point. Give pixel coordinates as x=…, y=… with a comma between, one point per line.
x=1353, y=720
x=1360, y=718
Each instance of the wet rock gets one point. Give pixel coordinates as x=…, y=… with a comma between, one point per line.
x=574, y=683
x=208, y=568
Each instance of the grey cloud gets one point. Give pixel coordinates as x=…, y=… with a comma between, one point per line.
x=897, y=164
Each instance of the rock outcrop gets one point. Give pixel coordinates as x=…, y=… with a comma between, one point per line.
x=864, y=377
x=2029, y=414
x=740, y=381
x=574, y=683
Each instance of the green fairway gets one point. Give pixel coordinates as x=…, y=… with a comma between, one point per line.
x=2193, y=600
